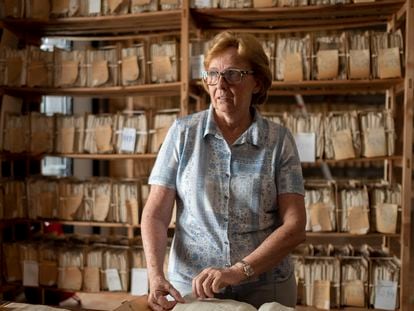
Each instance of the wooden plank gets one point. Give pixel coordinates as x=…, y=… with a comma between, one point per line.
x=406, y=289
x=162, y=89
x=185, y=58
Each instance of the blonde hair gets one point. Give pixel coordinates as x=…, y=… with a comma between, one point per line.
x=250, y=49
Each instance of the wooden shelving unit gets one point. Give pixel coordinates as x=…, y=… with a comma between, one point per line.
x=191, y=22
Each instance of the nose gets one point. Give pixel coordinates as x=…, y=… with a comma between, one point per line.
x=221, y=83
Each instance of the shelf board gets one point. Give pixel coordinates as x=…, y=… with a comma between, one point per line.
x=292, y=18
x=162, y=89
x=323, y=87
x=349, y=235
x=90, y=156
x=352, y=162
x=98, y=25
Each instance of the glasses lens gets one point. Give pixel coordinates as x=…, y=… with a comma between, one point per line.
x=211, y=77
x=232, y=76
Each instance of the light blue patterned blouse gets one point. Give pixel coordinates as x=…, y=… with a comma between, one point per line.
x=226, y=195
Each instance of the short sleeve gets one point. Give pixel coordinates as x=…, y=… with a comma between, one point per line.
x=164, y=171
x=289, y=177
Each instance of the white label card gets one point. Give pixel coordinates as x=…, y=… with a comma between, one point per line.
x=139, y=281
x=30, y=273
x=306, y=144
x=385, y=295
x=94, y=6
x=113, y=280
x=129, y=136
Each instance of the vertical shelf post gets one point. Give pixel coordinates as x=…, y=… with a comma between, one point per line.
x=406, y=289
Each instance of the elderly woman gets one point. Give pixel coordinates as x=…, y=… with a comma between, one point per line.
x=237, y=181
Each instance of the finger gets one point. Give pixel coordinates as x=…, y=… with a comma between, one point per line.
x=196, y=284
x=176, y=294
x=207, y=286
x=216, y=285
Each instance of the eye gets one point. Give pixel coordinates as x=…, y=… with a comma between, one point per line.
x=232, y=75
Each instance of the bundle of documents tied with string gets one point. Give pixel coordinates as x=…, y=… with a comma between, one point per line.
x=211, y=304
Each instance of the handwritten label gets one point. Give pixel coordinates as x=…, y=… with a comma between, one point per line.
x=328, y=64
x=375, y=142
x=359, y=64
x=30, y=273
x=94, y=6
x=342, y=144
x=385, y=295
x=386, y=217
x=113, y=280
x=293, y=69
x=306, y=144
x=321, y=294
x=129, y=137
x=389, y=63
x=139, y=281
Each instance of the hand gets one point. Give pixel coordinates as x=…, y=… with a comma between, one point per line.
x=211, y=280
x=160, y=288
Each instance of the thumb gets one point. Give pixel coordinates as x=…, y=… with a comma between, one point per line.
x=176, y=294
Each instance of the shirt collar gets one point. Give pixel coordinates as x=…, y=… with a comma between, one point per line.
x=254, y=134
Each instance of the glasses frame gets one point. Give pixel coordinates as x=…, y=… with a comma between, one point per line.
x=222, y=74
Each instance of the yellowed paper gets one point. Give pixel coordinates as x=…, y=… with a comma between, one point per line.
x=262, y=3
x=67, y=138
x=130, y=69
x=320, y=217
x=140, y=2
x=60, y=6
x=101, y=208
x=354, y=294
x=171, y=2
x=70, y=278
x=132, y=211
x=37, y=74
x=293, y=70
x=17, y=139
x=14, y=70
x=68, y=206
x=386, y=217
x=359, y=64
x=69, y=73
x=389, y=65
x=47, y=273
x=46, y=203
x=103, y=136
x=321, y=294
x=328, y=64
x=91, y=280
x=40, y=142
x=100, y=72
x=375, y=142
x=363, y=1
x=114, y=5
x=342, y=144
x=40, y=9
x=158, y=138
x=358, y=222
x=161, y=67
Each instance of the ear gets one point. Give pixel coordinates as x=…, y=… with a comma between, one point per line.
x=258, y=87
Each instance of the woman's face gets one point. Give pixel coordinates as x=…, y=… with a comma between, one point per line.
x=232, y=99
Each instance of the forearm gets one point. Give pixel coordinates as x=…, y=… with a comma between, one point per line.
x=276, y=247
x=154, y=238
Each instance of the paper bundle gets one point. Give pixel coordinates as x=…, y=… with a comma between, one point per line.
x=329, y=56
x=293, y=58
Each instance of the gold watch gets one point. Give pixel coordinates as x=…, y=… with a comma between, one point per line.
x=247, y=268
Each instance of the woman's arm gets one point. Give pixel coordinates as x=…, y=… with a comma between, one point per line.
x=156, y=217
x=285, y=238
x=265, y=257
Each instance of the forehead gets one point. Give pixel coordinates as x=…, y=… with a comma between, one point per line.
x=228, y=58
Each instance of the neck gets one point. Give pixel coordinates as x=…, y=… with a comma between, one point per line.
x=231, y=127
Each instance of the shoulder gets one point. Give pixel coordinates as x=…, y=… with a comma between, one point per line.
x=193, y=120
x=274, y=131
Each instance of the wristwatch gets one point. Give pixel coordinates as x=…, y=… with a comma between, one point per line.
x=247, y=268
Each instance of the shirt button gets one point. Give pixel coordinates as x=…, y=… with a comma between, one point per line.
x=228, y=265
x=226, y=196
x=227, y=243
x=226, y=219
x=227, y=175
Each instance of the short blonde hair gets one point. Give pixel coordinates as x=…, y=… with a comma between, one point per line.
x=250, y=49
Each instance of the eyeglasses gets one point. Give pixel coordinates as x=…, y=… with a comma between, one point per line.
x=232, y=76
